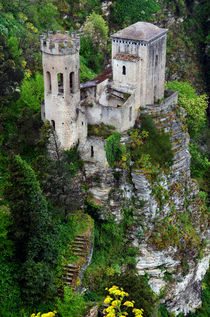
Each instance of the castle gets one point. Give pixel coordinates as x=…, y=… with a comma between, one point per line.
x=136, y=79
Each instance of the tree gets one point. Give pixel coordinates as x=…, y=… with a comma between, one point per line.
x=128, y=12
x=31, y=232
x=195, y=105
x=11, y=72
x=95, y=27
x=32, y=92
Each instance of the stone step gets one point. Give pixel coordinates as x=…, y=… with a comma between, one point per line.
x=68, y=279
x=70, y=274
x=79, y=246
x=70, y=266
x=80, y=241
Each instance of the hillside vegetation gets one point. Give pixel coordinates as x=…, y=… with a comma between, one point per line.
x=38, y=220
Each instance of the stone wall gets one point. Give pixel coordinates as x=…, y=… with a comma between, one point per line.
x=122, y=117
x=148, y=73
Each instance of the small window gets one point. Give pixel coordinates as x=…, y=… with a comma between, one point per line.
x=82, y=122
x=124, y=70
x=49, y=86
x=60, y=83
x=53, y=124
x=156, y=60
x=92, y=151
x=71, y=82
x=130, y=114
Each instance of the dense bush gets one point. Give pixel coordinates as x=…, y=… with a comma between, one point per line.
x=72, y=305
x=195, y=106
x=149, y=144
x=112, y=147
x=138, y=290
x=199, y=162
x=125, y=13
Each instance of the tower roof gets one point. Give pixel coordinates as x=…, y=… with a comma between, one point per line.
x=140, y=31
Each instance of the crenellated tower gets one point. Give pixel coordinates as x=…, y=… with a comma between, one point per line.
x=60, y=59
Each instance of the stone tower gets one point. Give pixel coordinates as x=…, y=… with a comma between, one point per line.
x=138, y=61
x=60, y=59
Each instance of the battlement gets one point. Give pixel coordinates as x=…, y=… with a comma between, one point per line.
x=60, y=43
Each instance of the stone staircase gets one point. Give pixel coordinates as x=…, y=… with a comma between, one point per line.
x=80, y=245
x=80, y=249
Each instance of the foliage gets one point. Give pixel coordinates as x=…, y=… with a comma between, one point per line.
x=199, y=162
x=117, y=302
x=149, y=146
x=11, y=72
x=55, y=173
x=32, y=92
x=31, y=231
x=112, y=148
x=101, y=130
x=125, y=13
x=85, y=72
x=72, y=305
x=95, y=28
x=9, y=289
x=139, y=291
x=177, y=231
x=195, y=105
x=93, y=58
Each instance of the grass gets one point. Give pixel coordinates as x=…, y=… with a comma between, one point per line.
x=101, y=130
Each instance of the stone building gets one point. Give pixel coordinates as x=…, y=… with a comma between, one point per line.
x=136, y=79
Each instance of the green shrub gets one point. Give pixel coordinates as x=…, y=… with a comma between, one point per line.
x=138, y=290
x=195, y=105
x=151, y=145
x=112, y=147
x=199, y=162
x=124, y=12
x=73, y=159
x=72, y=305
x=32, y=92
x=101, y=130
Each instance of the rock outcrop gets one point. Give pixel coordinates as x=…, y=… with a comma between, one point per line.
x=169, y=248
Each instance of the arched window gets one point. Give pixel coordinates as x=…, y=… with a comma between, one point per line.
x=92, y=151
x=130, y=114
x=60, y=83
x=53, y=124
x=71, y=82
x=124, y=70
x=49, y=87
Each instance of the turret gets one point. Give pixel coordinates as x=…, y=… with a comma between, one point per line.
x=60, y=58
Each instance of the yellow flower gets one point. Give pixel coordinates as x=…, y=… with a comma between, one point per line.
x=116, y=302
x=107, y=300
x=110, y=309
x=112, y=314
x=33, y=315
x=128, y=304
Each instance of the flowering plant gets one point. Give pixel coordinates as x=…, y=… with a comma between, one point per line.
x=50, y=314
x=117, y=307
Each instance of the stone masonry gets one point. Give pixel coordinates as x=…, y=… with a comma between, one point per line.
x=136, y=79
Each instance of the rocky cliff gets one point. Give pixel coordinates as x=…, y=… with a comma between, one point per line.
x=170, y=224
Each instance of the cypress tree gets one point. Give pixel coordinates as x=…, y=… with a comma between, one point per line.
x=31, y=232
